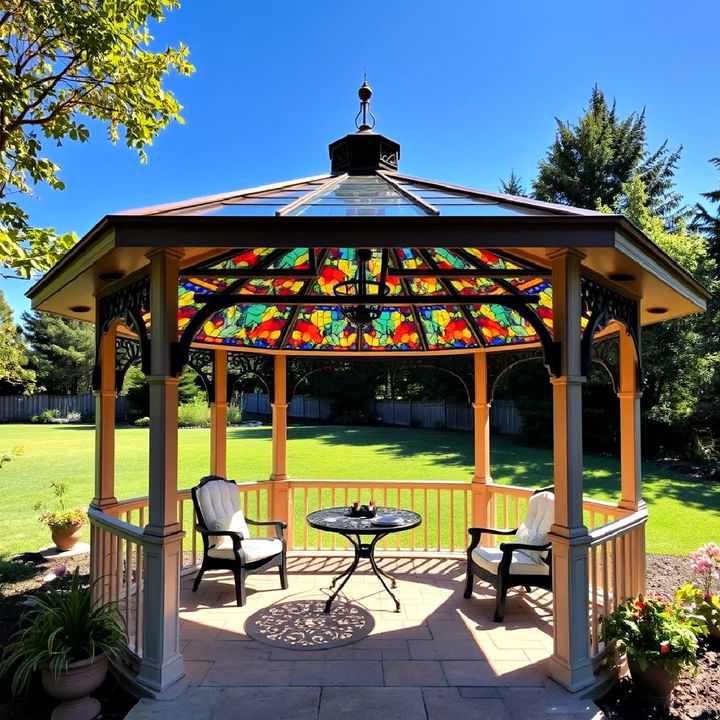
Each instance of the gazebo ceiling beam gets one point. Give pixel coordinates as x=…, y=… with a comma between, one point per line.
x=225, y=300
x=392, y=272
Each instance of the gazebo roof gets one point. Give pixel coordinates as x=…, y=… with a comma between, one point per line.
x=297, y=266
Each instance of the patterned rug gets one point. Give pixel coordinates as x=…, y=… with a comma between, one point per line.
x=302, y=625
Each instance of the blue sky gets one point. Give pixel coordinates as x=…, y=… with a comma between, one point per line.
x=469, y=89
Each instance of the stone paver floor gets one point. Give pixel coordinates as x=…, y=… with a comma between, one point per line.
x=440, y=658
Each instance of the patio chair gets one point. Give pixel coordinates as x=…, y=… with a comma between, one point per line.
x=227, y=543
x=527, y=561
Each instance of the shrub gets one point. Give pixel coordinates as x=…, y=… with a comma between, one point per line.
x=46, y=416
x=194, y=414
x=234, y=416
x=142, y=422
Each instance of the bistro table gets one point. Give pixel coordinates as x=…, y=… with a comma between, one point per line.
x=339, y=520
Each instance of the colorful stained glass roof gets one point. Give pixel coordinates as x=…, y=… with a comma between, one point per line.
x=433, y=299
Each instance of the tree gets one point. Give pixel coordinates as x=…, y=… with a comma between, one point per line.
x=707, y=223
x=589, y=162
x=15, y=376
x=60, y=63
x=513, y=186
x=62, y=352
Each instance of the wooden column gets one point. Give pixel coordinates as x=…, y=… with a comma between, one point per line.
x=162, y=662
x=218, y=415
x=481, y=416
x=630, y=446
x=105, y=422
x=570, y=663
x=280, y=498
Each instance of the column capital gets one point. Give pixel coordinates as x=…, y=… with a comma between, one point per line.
x=569, y=380
x=481, y=405
x=279, y=406
x=169, y=252
x=632, y=394
x=565, y=252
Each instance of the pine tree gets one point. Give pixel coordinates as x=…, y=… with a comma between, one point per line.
x=707, y=223
x=513, y=186
x=62, y=352
x=589, y=162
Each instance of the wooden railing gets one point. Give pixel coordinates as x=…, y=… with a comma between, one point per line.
x=117, y=538
x=616, y=565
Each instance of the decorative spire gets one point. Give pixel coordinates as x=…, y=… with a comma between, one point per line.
x=364, y=152
x=365, y=93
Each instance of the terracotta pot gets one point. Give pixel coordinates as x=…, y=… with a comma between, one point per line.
x=66, y=538
x=655, y=682
x=73, y=686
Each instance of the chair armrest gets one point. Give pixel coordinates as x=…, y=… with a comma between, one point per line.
x=279, y=526
x=236, y=537
x=476, y=533
x=508, y=548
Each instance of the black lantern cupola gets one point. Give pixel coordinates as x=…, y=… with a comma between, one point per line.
x=364, y=151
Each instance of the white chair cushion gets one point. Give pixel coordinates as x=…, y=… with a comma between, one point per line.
x=256, y=549
x=540, y=512
x=220, y=507
x=489, y=559
x=527, y=536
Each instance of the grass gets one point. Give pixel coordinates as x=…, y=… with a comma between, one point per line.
x=684, y=513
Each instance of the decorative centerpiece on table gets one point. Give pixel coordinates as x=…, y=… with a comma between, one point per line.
x=659, y=639
x=363, y=511
x=65, y=525
x=702, y=600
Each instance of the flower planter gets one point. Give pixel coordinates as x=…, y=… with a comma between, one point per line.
x=73, y=687
x=656, y=683
x=66, y=538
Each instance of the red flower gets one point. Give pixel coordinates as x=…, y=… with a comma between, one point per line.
x=664, y=647
x=639, y=604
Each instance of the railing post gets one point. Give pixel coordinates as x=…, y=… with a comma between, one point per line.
x=481, y=493
x=279, y=497
x=162, y=662
x=570, y=663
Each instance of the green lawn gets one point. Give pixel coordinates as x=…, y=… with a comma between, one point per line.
x=684, y=513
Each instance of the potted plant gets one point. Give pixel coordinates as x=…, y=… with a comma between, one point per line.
x=659, y=640
x=705, y=563
x=69, y=638
x=65, y=525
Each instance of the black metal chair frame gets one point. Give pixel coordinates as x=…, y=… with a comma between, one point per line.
x=238, y=565
x=502, y=581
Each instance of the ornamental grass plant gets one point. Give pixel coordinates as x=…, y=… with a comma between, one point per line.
x=656, y=633
x=62, y=627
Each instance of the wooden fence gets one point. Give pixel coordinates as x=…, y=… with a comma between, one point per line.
x=503, y=414
x=23, y=407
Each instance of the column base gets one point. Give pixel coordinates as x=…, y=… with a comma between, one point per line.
x=161, y=677
x=577, y=678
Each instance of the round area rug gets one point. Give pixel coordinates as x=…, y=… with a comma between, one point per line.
x=302, y=625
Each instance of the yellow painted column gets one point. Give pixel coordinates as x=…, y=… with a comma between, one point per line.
x=279, y=495
x=218, y=415
x=482, y=497
x=105, y=422
x=630, y=451
x=570, y=663
x=162, y=663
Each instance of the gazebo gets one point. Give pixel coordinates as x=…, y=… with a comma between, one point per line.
x=365, y=261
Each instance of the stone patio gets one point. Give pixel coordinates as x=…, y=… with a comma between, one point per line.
x=440, y=658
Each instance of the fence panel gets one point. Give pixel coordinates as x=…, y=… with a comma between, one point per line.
x=23, y=407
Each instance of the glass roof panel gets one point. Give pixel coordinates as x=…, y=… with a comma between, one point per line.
x=502, y=326
x=445, y=327
x=321, y=328
x=395, y=329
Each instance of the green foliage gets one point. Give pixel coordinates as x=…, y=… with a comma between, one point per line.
x=62, y=352
x=142, y=422
x=62, y=518
x=137, y=390
x=63, y=627
x=513, y=186
x=589, y=162
x=654, y=632
x=195, y=413
x=7, y=455
x=700, y=603
x=234, y=415
x=15, y=376
x=45, y=417
x=61, y=63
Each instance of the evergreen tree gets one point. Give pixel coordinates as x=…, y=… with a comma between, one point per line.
x=589, y=162
x=15, y=376
x=707, y=223
x=62, y=352
x=513, y=186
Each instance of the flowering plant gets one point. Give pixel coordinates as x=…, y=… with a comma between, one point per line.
x=62, y=518
x=653, y=632
x=704, y=562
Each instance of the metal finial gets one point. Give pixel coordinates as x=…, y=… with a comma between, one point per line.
x=365, y=120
